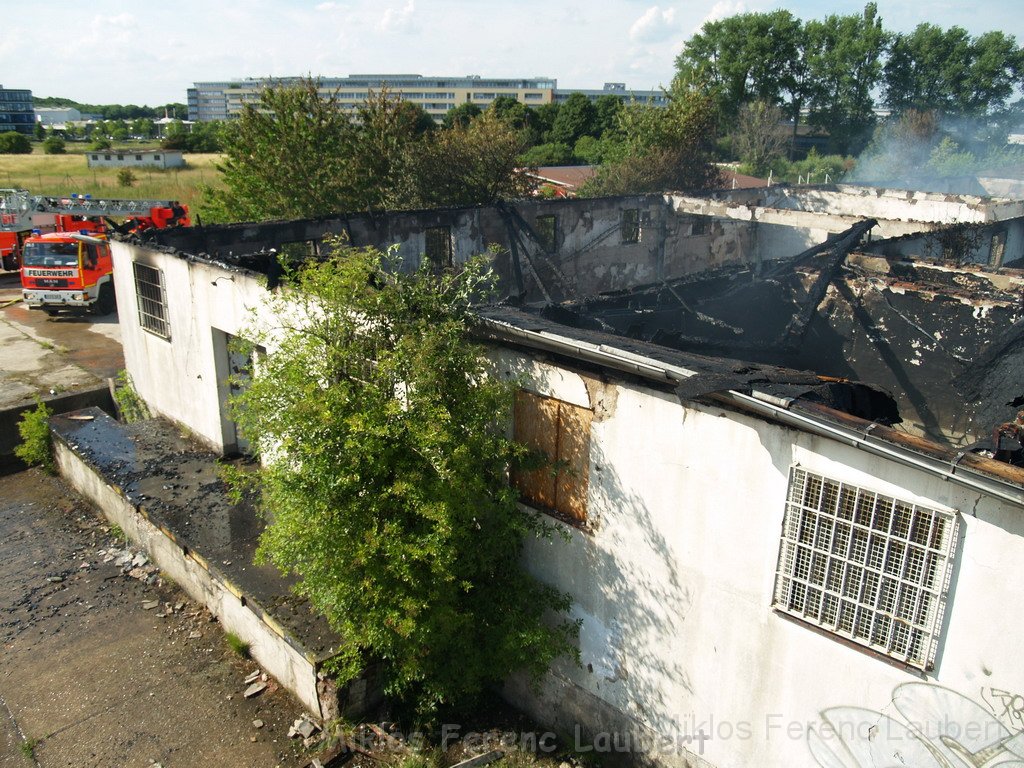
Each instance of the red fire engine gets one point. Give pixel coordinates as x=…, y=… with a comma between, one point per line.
x=61, y=246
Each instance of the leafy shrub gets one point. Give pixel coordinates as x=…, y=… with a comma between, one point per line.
x=131, y=407
x=14, y=143
x=53, y=145
x=36, y=448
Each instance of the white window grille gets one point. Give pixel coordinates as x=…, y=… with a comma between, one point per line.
x=865, y=566
x=152, y=300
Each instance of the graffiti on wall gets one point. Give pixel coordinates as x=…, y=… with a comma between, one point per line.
x=928, y=726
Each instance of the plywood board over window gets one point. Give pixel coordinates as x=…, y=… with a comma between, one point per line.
x=561, y=432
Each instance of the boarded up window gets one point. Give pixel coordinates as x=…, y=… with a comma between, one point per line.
x=438, y=247
x=561, y=432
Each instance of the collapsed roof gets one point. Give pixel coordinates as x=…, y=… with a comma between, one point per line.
x=779, y=278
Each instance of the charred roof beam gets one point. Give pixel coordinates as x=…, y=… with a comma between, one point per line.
x=795, y=331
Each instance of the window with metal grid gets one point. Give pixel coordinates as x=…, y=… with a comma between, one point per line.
x=439, y=246
x=152, y=300
x=866, y=566
x=629, y=226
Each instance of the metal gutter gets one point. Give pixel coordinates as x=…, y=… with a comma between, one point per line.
x=950, y=470
x=779, y=409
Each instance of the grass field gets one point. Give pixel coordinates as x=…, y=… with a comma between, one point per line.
x=66, y=174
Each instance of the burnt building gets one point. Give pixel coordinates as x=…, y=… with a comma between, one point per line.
x=780, y=528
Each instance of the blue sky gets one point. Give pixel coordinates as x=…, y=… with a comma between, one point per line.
x=102, y=51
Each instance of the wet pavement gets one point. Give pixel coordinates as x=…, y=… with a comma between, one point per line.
x=63, y=353
x=176, y=484
x=92, y=677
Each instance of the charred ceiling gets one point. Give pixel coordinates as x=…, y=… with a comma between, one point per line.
x=946, y=341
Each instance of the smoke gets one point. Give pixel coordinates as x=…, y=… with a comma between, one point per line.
x=926, y=152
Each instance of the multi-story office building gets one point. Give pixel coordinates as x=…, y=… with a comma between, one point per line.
x=16, y=113
x=655, y=98
x=223, y=100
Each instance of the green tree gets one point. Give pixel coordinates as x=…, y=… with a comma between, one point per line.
x=844, y=59
x=948, y=159
x=285, y=157
x=949, y=71
x=120, y=131
x=462, y=115
x=744, y=57
x=143, y=127
x=544, y=118
x=606, y=114
x=377, y=159
x=668, y=147
x=53, y=145
x=547, y=154
x=576, y=117
x=476, y=165
x=512, y=112
x=759, y=139
x=204, y=137
x=38, y=131
x=14, y=143
x=384, y=478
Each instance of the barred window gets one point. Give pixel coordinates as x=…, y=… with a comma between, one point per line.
x=438, y=242
x=152, y=300
x=865, y=566
x=547, y=232
x=629, y=226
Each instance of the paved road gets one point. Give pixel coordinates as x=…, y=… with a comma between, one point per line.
x=39, y=353
x=96, y=679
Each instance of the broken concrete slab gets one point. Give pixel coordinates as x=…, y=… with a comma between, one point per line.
x=255, y=689
x=303, y=727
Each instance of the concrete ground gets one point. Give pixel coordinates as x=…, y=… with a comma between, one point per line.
x=94, y=674
x=64, y=353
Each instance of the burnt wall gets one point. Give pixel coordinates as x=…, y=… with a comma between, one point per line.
x=543, y=250
x=994, y=244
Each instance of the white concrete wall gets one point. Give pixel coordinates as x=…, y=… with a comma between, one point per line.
x=182, y=379
x=674, y=583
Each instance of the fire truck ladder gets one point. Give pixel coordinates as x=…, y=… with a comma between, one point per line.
x=19, y=202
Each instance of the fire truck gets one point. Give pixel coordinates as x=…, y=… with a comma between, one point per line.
x=60, y=245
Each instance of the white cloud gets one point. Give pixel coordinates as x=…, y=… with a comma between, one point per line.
x=123, y=20
x=398, y=20
x=720, y=10
x=328, y=6
x=654, y=25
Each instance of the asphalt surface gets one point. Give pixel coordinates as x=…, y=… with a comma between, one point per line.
x=93, y=673
x=40, y=354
